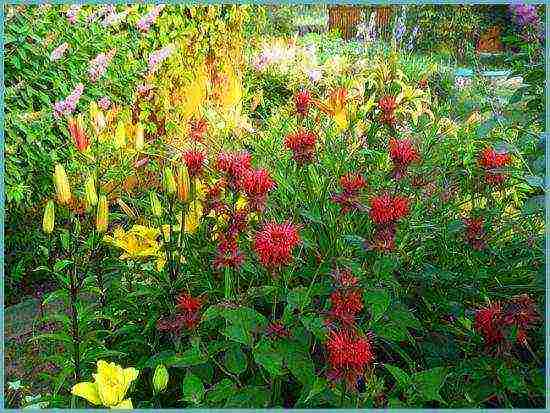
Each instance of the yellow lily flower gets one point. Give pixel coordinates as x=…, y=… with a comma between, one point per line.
x=111, y=382
x=139, y=242
x=336, y=106
x=447, y=127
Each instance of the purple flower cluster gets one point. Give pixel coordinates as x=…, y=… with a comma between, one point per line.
x=67, y=106
x=72, y=13
x=144, y=24
x=525, y=14
x=104, y=103
x=158, y=56
x=58, y=52
x=98, y=65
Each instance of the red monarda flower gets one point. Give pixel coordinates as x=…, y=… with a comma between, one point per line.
x=228, y=254
x=345, y=278
x=256, y=183
x=495, y=321
x=402, y=154
x=487, y=322
x=274, y=244
x=76, y=129
x=387, y=105
x=194, y=160
x=348, y=355
x=302, y=101
x=189, y=308
x=237, y=222
x=475, y=233
x=234, y=165
x=277, y=330
x=348, y=199
x=213, y=198
x=490, y=159
x=197, y=129
x=302, y=145
x=352, y=183
x=387, y=209
x=345, y=305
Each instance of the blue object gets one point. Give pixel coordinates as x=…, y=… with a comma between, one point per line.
x=464, y=72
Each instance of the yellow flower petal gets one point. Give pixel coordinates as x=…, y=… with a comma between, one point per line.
x=88, y=391
x=125, y=404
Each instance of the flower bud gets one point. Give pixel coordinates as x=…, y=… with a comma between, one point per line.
x=169, y=181
x=183, y=183
x=140, y=137
x=90, y=192
x=156, y=208
x=98, y=118
x=78, y=134
x=160, y=379
x=120, y=135
x=49, y=217
x=61, y=182
x=126, y=208
x=102, y=218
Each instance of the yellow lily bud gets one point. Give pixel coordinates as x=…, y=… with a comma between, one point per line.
x=169, y=181
x=156, y=208
x=120, y=135
x=90, y=191
x=160, y=379
x=102, y=218
x=140, y=137
x=183, y=183
x=61, y=182
x=48, y=221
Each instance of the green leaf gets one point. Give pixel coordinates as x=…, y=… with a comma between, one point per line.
x=315, y=325
x=298, y=298
x=267, y=357
x=510, y=379
x=308, y=393
x=190, y=357
x=400, y=376
x=238, y=333
x=61, y=265
x=378, y=301
x=192, y=389
x=250, y=397
x=429, y=382
x=220, y=391
x=235, y=360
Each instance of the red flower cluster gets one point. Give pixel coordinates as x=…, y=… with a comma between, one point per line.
x=345, y=305
x=495, y=321
x=213, y=198
x=234, y=165
x=475, y=234
x=81, y=140
x=387, y=105
x=197, y=129
x=256, y=183
x=348, y=199
x=194, y=160
x=302, y=145
x=345, y=278
x=228, y=254
x=402, y=154
x=277, y=330
x=348, y=355
x=274, y=244
x=386, y=209
x=189, y=307
x=189, y=315
x=303, y=102
x=490, y=159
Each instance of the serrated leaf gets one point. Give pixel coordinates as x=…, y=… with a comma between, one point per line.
x=378, y=301
x=221, y=391
x=429, y=382
x=267, y=357
x=400, y=376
